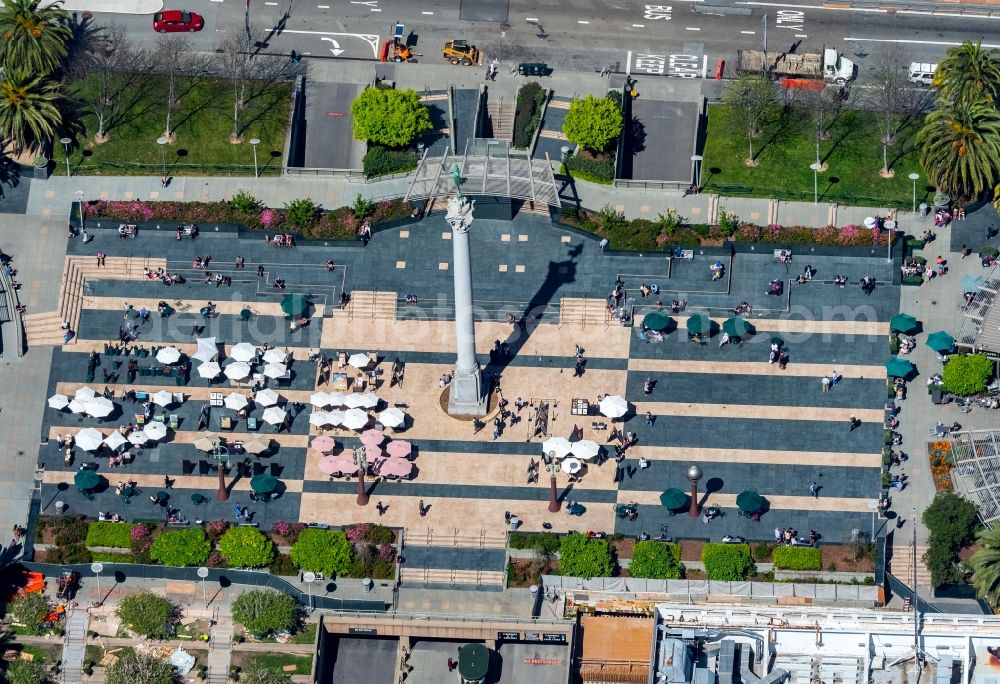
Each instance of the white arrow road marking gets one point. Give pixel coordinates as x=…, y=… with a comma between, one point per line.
x=370, y=38
x=337, y=52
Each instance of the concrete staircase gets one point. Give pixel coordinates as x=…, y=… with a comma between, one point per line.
x=483, y=539
x=367, y=304
x=43, y=329
x=455, y=538
x=74, y=646
x=452, y=577
x=501, y=116
x=220, y=655
x=901, y=565
x=583, y=312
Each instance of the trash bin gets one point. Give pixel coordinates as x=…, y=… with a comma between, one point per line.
x=533, y=69
x=366, y=584
x=924, y=209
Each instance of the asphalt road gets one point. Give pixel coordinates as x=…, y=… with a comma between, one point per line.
x=683, y=38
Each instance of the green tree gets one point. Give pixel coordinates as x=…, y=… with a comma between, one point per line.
x=134, y=666
x=728, y=562
x=255, y=674
x=26, y=672
x=30, y=610
x=301, y=213
x=581, y=556
x=181, y=547
x=245, y=202
x=33, y=38
x=29, y=112
x=986, y=566
x=246, y=547
x=952, y=522
x=655, y=560
x=751, y=99
x=389, y=117
x=593, y=123
x=969, y=73
x=960, y=147
x=146, y=614
x=966, y=374
x=263, y=611
x=326, y=551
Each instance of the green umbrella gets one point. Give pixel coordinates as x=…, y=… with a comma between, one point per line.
x=699, y=325
x=750, y=501
x=294, y=305
x=264, y=483
x=673, y=498
x=657, y=321
x=903, y=323
x=737, y=327
x=85, y=480
x=900, y=368
x=941, y=342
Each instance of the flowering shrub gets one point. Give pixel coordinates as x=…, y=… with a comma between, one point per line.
x=940, y=458
x=214, y=529
x=289, y=531
x=134, y=210
x=387, y=552
x=357, y=532
x=139, y=531
x=269, y=218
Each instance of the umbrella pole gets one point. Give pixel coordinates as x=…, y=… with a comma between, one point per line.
x=362, y=492
x=553, y=494
x=693, y=510
x=223, y=493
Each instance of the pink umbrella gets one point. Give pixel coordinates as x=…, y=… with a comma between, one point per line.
x=373, y=453
x=399, y=448
x=372, y=437
x=334, y=464
x=396, y=467
x=324, y=443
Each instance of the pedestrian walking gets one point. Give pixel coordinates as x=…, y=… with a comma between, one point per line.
x=814, y=490
x=647, y=387
x=260, y=270
x=777, y=535
x=421, y=509
x=855, y=423
x=649, y=419
x=834, y=378
x=238, y=511
x=826, y=383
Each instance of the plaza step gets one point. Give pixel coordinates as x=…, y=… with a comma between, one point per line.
x=583, y=312
x=74, y=647
x=42, y=329
x=454, y=538
x=901, y=565
x=452, y=577
x=368, y=304
x=501, y=116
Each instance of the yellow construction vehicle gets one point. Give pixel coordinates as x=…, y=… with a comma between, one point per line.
x=460, y=52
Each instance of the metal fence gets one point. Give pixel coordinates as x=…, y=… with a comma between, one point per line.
x=107, y=168
x=826, y=197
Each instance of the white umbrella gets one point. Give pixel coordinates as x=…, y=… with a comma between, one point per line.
x=244, y=351
x=84, y=393
x=163, y=398
x=168, y=355
x=392, y=417
x=613, y=406
x=138, y=437
x=320, y=419
x=237, y=371
x=266, y=397
x=586, y=449
x=155, y=430
x=209, y=370
x=319, y=399
x=355, y=419
x=274, y=415
x=115, y=440
x=236, y=401
x=208, y=350
x=275, y=356
x=366, y=400
x=359, y=361
x=275, y=370
x=558, y=445
x=100, y=407
x=257, y=446
x=78, y=405
x=89, y=439
x=58, y=401
x=337, y=398
x=207, y=442
x=571, y=466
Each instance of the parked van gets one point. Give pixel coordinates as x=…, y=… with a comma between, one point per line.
x=922, y=73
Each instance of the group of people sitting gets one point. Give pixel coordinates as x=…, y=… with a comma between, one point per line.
x=160, y=274
x=278, y=284
x=906, y=344
x=281, y=240
x=743, y=309
x=790, y=537
x=127, y=230
x=124, y=488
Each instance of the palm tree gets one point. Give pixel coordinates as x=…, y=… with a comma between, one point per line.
x=986, y=566
x=29, y=112
x=960, y=147
x=969, y=73
x=33, y=38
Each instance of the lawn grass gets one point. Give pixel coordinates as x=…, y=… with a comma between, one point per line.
x=787, y=148
x=202, y=123
x=276, y=661
x=307, y=635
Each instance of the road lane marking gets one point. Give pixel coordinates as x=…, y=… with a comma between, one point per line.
x=531, y=18
x=801, y=35
x=749, y=33
x=581, y=21
x=869, y=10
x=371, y=38
x=638, y=26
x=691, y=28
x=914, y=42
x=427, y=12
x=323, y=6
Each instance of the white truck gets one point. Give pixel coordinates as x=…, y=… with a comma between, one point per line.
x=829, y=65
x=922, y=73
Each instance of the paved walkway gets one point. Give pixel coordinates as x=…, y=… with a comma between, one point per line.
x=74, y=646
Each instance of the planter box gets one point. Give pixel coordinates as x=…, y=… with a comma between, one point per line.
x=41, y=171
x=912, y=281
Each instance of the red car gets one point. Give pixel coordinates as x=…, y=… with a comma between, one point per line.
x=173, y=21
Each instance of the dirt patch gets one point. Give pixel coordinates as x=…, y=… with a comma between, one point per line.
x=623, y=547
x=523, y=572
x=691, y=550
x=839, y=558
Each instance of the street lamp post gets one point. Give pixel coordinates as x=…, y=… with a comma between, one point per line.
x=65, y=142
x=80, y=195
x=694, y=474
x=96, y=568
x=815, y=166
x=552, y=466
x=696, y=158
x=309, y=578
x=203, y=573
x=361, y=461
x=162, y=142
x=253, y=143
x=914, y=177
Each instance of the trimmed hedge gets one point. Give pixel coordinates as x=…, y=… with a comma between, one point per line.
x=727, y=562
x=181, y=548
x=112, y=557
x=114, y=534
x=583, y=556
x=656, y=560
x=797, y=558
x=527, y=113
x=592, y=170
x=966, y=374
x=382, y=161
x=546, y=542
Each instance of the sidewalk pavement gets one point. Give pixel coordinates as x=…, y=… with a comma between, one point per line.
x=114, y=6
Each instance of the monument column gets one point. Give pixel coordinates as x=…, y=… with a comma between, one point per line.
x=466, y=394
